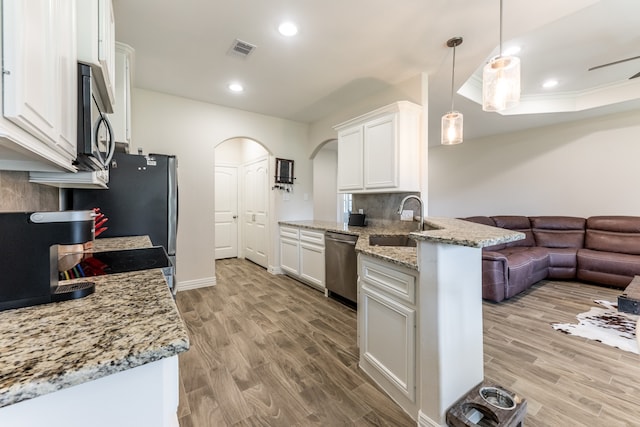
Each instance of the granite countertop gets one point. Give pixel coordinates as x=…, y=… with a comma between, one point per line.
x=131, y=319
x=464, y=233
x=440, y=230
x=400, y=255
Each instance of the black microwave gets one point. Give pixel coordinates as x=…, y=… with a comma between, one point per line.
x=95, y=134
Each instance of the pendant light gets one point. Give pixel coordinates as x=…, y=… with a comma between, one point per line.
x=451, y=130
x=501, y=80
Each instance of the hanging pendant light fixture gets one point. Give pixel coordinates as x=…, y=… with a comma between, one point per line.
x=501, y=80
x=451, y=130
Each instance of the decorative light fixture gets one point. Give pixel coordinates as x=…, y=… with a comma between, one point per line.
x=501, y=80
x=451, y=130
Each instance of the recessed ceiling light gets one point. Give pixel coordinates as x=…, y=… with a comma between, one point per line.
x=236, y=87
x=288, y=29
x=510, y=51
x=548, y=84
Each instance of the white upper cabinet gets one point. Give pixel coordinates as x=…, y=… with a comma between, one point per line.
x=38, y=124
x=350, y=160
x=96, y=45
x=380, y=151
x=121, y=117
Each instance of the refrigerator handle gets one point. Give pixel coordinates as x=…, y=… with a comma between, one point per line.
x=173, y=205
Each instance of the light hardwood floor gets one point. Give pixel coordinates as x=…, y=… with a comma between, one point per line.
x=269, y=351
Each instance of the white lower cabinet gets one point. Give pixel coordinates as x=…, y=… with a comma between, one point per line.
x=302, y=255
x=387, y=321
x=290, y=250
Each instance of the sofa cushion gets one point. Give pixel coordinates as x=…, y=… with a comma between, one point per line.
x=516, y=223
x=618, y=234
x=558, y=231
x=563, y=263
x=608, y=268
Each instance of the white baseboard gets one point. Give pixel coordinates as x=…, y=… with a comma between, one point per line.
x=275, y=270
x=186, y=285
x=425, y=421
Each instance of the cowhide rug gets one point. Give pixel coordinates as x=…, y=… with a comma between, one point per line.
x=606, y=325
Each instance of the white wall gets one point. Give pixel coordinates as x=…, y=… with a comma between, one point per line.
x=325, y=184
x=190, y=130
x=582, y=169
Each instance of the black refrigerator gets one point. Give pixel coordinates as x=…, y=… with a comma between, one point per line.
x=142, y=199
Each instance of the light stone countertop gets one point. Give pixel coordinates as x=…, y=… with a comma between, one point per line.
x=440, y=230
x=464, y=233
x=131, y=319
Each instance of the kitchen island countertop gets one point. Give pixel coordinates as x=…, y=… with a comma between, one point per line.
x=131, y=319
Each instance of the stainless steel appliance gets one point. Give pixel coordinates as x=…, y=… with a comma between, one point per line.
x=91, y=264
x=95, y=135
x=29, y=261
x=341, y=266
x=142, y=199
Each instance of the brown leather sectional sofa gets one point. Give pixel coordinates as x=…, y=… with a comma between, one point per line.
x=600, y=249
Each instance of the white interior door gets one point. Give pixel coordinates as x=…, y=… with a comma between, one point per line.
x=226, y=211
x=256, y=190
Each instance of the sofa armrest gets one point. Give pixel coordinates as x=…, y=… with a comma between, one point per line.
x=493, y=256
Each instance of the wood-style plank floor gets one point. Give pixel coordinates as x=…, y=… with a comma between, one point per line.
x=269, y=351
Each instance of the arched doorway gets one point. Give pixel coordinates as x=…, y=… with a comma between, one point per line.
x=241, y=200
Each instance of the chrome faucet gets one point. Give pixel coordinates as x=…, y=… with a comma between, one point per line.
x=401, y=208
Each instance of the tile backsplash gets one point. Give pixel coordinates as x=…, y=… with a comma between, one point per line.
x=17, y=194
x=381, y=209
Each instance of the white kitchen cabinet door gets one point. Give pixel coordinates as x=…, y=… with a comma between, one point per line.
x=121, y=117
x=350, y=160
x=380, y=151
x=312, y=264
x=388, y=339
x=96, y=45
x=290, y=255
x=380, y=156
x=30, y=79
x=68, y=75
x=40, y=74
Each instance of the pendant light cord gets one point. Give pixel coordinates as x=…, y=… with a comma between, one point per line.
x=453, y=73
x=500, y=53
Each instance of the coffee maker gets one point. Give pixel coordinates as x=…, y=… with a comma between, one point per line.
x=29, y=260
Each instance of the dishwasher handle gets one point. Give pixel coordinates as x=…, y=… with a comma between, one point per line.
x=348, y=239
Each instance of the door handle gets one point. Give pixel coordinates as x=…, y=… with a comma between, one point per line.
x=253, y=217
x=235, y=216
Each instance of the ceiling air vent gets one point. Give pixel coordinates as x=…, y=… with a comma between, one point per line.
x=240, y=48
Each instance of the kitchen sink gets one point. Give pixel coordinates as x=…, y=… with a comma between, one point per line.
x=397, y=240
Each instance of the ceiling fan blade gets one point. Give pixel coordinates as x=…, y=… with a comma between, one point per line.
x=613, y=63
x=635, y=75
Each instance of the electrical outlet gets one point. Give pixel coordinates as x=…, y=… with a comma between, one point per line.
x=406, y=215
x=361, y=211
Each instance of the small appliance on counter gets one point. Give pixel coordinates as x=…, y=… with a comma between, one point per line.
x=29, y=262
x=357, y=219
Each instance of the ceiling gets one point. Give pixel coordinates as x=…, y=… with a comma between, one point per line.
x=348, y=50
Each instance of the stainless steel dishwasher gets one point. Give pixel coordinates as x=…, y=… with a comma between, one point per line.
x=341, y=265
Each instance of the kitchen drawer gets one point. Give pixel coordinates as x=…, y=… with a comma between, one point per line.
x=391, y=281
x=289, y=232
x=314, y=237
